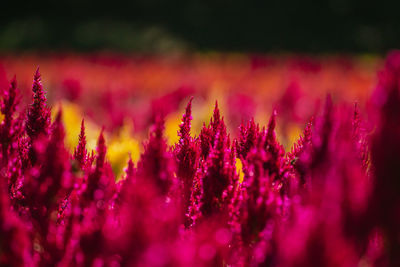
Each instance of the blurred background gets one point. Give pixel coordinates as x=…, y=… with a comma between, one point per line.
x=333, y=26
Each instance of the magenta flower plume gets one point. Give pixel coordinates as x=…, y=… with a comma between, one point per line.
x=186, y=154
x=184, y=128
x=80, y=152
x=207, y=134
x=156, y=163
x=100, y=185
x=38, y=117
x=248, y=135
x=216, y=118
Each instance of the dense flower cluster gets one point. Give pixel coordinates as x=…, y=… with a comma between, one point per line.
x=331, y=200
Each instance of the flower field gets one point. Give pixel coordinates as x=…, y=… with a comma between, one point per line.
x=199, y=160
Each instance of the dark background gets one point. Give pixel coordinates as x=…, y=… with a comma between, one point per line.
x=217, y=25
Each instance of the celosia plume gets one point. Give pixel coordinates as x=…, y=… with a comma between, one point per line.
x=38, y=117
x=186, y=154
x=80, y=153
